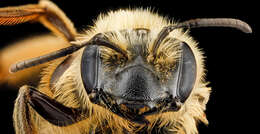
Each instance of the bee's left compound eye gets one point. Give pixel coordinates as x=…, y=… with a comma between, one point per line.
x=185, y=74
x=90, y=65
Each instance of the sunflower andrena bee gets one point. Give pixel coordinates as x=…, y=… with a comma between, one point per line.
x=132, y=72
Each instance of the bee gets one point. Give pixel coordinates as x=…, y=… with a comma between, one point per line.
x=134, y=71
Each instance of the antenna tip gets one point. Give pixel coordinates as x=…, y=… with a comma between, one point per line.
x=13, y=69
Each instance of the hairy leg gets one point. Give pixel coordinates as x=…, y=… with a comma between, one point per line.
x=30, y=101
x=21, y=115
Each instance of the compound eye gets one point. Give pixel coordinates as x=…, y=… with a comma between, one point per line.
x=185, y=74
x=90, y=64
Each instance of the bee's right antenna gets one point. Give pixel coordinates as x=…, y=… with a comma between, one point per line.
x=98, y=39
x=196, y=23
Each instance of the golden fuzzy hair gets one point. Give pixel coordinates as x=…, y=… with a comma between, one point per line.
x=69, y=89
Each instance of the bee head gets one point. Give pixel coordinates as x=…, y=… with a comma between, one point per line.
x=138, y=81
x=146, y=75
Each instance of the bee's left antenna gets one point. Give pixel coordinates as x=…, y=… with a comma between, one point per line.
x=197, y=23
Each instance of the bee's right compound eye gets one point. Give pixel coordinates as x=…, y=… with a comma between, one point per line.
x=90, y=64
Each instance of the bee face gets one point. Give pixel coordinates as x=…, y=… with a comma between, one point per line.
x=136, y=84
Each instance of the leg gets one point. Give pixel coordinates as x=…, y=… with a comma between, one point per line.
x=51, y=110
x=21, y=115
